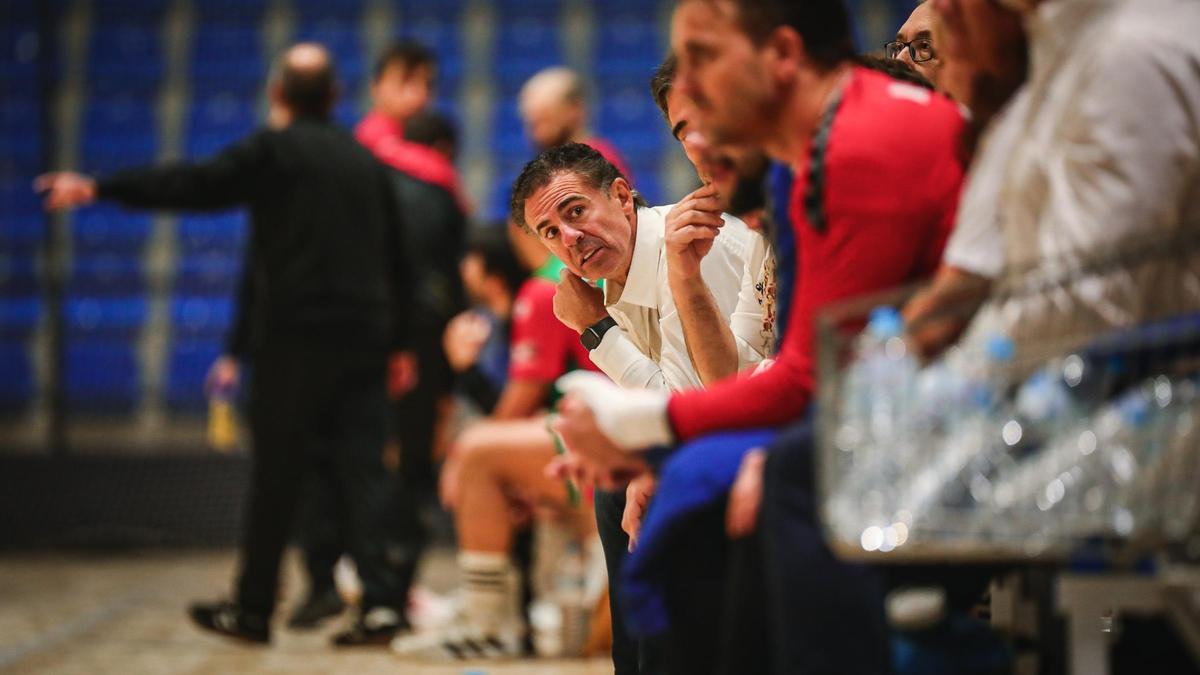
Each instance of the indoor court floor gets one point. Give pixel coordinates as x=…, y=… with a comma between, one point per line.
x=123, y=613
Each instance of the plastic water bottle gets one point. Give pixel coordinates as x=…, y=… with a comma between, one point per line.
x=560, y=624
x=967, y=438
x=222, y=418
x=876, y=420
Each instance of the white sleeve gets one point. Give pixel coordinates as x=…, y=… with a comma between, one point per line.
x=746, y=323
x=625, y=364
x=977, y=244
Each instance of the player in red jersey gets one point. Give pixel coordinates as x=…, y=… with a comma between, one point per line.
x=877, y=183
x=497, y=466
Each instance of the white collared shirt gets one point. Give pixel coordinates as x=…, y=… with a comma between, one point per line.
x=1098, y=153
x=647, y=350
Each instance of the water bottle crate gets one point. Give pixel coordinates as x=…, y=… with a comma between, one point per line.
x=1067, y=415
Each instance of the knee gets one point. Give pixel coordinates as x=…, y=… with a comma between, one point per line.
x=475, y=452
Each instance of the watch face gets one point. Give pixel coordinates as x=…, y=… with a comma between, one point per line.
x=589, y=339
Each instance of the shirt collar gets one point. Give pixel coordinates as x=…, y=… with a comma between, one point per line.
x=641, y=284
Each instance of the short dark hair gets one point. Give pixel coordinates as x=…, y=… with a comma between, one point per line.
x=431, y=128
x=660, y=84
x=491, y=244
x=577, y=158
x=824, y=25
x=308, y=92
x=896, y=68
x=405, y=53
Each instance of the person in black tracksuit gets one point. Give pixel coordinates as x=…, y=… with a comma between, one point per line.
x=324, y=304
x=435, y=230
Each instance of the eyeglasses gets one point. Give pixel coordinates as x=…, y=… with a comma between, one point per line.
x=921, y=49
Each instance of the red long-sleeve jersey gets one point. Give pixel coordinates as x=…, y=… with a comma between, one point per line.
x=891, y=178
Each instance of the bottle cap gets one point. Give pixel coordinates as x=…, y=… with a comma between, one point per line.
x=1000, y=348
x=885, y=322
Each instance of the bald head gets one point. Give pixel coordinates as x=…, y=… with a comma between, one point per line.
x=552, y=106
x=306, y=84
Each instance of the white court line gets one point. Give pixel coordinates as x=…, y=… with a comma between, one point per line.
x=77, y=626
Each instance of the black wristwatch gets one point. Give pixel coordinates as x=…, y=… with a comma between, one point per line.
x=593, y=334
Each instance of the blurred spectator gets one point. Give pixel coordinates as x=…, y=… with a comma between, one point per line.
x=554, y=108
x=434, y=227
x=322, y=306
x=496, y=467
x=914, y=44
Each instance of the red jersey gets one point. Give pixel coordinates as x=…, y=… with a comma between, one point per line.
x=889, y=190
x=384, y=137
x=543, y=348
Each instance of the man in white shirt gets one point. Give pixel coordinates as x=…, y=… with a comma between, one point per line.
x=1096, y=154
x=582, y=209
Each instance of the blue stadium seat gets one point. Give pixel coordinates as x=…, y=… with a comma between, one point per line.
x=18, y=275
x=21, y=233
x=201, y=316
x=347, y=112
x=324, y=10
x=16, y=377
x=222, y=233
x=217, y=121
x=506, y=9
x=128, y=53
x=106, y=275
x=440, y=35
x=17, y=198
x=524, y=46
x=21, y=131
x=227, y=57
x=94, y=317
x=107, y=229
x=647, y=181
x=245, y=12
x=628, y=47
x=508, y=130
x=101, y=376
x=141, y=12
x=120, y=131
x=630, y=119
x=187, y=368
x=19, y=317
x=207, y=275
x=448, y=11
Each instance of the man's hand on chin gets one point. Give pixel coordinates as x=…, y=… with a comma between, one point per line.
x=577, y=303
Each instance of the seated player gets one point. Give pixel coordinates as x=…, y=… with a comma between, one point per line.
x=497, y=466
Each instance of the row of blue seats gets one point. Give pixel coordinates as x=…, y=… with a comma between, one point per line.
x=104, y=376
x=87, y=317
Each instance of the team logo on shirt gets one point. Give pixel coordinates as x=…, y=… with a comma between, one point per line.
x=909, y=92
x=525, y=352
x=521, y=309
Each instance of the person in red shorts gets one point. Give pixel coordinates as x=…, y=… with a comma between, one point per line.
x=877, y=182
x=497, y=466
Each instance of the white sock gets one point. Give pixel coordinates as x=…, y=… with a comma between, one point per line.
x=490, y=592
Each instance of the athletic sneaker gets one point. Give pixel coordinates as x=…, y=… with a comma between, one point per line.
x=317, y=607
x=375, y=627
x=230, y=620
x=460, y=641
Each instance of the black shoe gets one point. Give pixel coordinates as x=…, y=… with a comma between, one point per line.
x=319, y=605
x=230, y=620
x=376, y=627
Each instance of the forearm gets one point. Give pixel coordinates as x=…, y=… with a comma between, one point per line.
x=937, y=315
x=710, y=342
x=619, y=359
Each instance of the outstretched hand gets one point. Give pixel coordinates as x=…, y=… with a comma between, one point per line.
x=66, y=189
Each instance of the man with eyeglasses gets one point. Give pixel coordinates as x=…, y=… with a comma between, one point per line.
x=914, y=44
